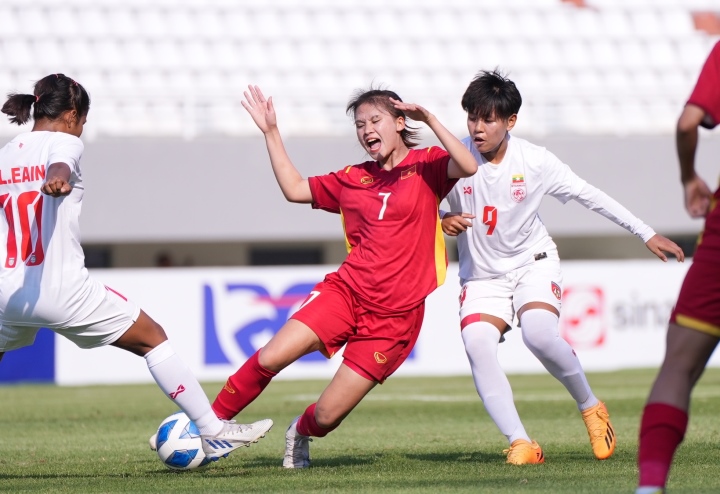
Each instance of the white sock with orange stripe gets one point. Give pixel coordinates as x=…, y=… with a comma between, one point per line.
x=541, y=335
x=180, y=385
x=481, y=344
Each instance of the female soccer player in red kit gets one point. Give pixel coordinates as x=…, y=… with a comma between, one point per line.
x=694, y=329
x=43, y=279
x=374, y=303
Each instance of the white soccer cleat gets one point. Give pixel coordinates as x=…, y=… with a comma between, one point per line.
x=153, y=442
x=234, y=436
x=297, y=448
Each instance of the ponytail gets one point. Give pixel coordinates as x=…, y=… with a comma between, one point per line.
x=17, y=107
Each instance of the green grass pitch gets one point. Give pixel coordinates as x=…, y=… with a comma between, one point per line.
x=409, y=435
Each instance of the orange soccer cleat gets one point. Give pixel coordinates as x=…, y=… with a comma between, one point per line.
x=522, y=452
x=600, y=431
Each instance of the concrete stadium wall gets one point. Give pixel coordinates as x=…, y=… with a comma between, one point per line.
x=222, y=190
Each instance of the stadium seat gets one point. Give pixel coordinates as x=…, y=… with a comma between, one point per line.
x=561, y=53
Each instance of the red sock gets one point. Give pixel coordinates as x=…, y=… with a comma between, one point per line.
x=661, y=431
x=308, y=426
x=242, y=388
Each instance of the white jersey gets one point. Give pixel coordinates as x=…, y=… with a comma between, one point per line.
x=43, y=279
x=507, y=231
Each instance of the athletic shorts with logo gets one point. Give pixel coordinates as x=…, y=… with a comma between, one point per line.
x=103, y=326
x=376, y=345
x=698, y=305
x=502, y=296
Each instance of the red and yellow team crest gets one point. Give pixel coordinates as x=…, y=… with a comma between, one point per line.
x=380, y=358
x=366, y=180
x=408, y=173
x=557, y=291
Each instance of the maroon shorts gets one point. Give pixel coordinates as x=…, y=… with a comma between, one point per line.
x=376, y=344
x=698, y=305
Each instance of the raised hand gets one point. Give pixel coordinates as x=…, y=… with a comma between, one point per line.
x=260, y=109
x=453, y=224
x=659, y=244
x=413, y=111
x=697, y=197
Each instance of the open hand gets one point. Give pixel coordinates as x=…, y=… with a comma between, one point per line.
x=260, y=109
x=659, y=244
x=413, y=111
x=453, y=224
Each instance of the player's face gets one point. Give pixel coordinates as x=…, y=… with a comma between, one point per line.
x=489, y=134
x=378, y=131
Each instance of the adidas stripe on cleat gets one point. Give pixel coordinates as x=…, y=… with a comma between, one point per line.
x=234, y=436
x=600, y=431
x=522, y=452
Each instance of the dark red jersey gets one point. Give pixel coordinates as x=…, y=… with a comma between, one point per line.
x=396, y=250
x=706, y=94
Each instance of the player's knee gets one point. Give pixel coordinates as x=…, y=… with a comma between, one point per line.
x=157, y=331
x=142, y=336
x=538, y=339
x=327, y=418
x=481, y=341
x=479, y=350
x=688, y=370
x=271, y=360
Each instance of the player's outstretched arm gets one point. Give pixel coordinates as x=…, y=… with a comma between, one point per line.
x=659, y=244
x=462, y=162
x=294, y=187
x=57, y=180
x=453, y=224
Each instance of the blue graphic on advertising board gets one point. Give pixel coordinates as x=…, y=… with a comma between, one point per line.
x=243, y=335
x=31, y=363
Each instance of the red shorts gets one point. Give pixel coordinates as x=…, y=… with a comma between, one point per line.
x=376, y=344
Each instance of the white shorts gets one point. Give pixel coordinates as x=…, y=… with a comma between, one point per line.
x=115, y=315
x=539, y=281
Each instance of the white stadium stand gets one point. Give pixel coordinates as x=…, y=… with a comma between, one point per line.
x=178, y=68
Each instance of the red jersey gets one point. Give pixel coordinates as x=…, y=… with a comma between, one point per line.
x=706, y=94
x=396, y=250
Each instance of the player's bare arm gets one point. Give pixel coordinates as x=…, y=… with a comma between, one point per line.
x=462, y=162
x=453, y=224
x=659, y=244
x=294, y=187
x=697, y=193
x=57, y=180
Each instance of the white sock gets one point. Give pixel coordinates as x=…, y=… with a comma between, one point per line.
x=481, y=344
x=178, y=382
x=649, y=490
x=541, y=335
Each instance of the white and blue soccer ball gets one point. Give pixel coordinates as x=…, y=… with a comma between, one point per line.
x=179, y=445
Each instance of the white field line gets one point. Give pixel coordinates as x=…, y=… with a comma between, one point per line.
x=605, y=395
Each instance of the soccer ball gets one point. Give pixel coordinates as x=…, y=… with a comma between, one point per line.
x=179, y=445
